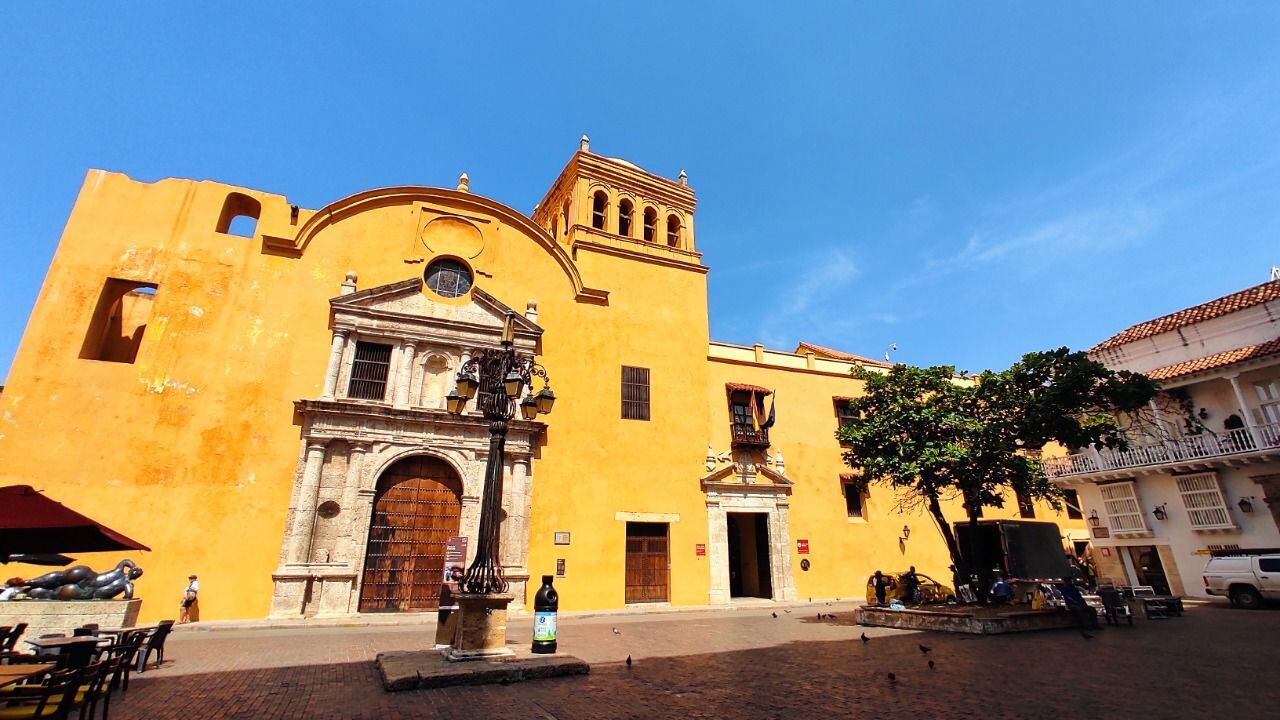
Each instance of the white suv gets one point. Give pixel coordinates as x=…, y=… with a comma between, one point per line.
x=1246, y=579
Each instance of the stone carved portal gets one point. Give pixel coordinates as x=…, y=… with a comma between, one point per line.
x=352, y=451
x=752, y=501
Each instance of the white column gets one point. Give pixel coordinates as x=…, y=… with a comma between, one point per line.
x=404, y=371
x=717, y=553
x=335, y=363
x=1244, y=410
x=305, y=513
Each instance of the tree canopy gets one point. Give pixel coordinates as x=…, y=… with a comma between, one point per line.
x=938, y=435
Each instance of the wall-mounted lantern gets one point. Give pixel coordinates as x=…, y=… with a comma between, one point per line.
x=1160, y=512
x=906, y=533
x=1246, y=504
x=1094, y=520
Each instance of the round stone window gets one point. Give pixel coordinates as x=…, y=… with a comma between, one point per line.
x=328, y=510
x=448, y=278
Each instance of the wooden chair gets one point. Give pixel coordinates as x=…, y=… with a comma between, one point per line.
x=54, y=699
x=96, y=686
x=9, y=642
x=126, y=650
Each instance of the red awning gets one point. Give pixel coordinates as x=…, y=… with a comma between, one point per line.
x=732, y=387
x=30, y=522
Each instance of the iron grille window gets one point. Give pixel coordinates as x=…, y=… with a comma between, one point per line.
x=853, y=499
x=635, y=393
x=369, y=371
x=742, y=416
x=844, y=415
x=448, y=278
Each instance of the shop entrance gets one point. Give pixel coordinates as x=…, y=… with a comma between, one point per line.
x=1148, y=569
x=749, y=555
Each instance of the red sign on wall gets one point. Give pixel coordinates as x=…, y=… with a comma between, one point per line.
x=700, y=549
x=802, y=547
x=1106, y=552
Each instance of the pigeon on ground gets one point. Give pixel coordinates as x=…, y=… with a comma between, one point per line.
x=1085, y=635
x=893, y=678
x=616, y=631
x=775, y=615
x=926, y=649
x=930, y=664
x=787, y=612
x=628, y=661
x=865, y=639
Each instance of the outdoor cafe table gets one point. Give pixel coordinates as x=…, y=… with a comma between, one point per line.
x=10, y=674
x=79, y=650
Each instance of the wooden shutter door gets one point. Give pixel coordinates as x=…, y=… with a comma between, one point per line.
x=647, y=563
x=415, y=512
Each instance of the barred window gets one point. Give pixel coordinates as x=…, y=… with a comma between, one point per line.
x=369, y=371
x=650, y=224
x=599, y=207
x=1124, y=514
x=624, y=217
x=853, y=505
x=635, y=393
x=448, y=278
x=1202, y=496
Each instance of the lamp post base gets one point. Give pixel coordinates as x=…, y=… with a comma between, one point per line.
x=482, y=627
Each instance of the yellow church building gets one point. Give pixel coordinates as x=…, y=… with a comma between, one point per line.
x=256, y=391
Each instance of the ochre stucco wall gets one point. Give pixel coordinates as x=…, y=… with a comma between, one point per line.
x=193, y=448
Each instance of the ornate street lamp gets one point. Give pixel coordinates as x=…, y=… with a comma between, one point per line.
x=1160, y=512
x=500, y=375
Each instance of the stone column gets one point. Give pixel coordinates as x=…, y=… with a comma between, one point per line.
x=335, y=363
x=1244, y=411
x=304, y=514
x=344, y=369
x=404, y=373
x=718, y=552
x=351, y=527
x=780, y=540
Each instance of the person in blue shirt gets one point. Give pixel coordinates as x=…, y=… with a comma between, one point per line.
x=1001, y=591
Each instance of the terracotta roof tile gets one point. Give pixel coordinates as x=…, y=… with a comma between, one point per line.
x=732, y=387
x=1248, y=297
x=833, y=354
x=1217, y=360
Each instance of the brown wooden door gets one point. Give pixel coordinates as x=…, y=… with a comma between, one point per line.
x=415, y=512
x=647, y=562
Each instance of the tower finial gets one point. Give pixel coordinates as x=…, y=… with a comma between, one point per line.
x=584, y=144
x=684, y=177
x=464, y=183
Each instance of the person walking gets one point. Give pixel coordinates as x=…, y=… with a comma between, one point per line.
x=190, y=611
x=881, y=584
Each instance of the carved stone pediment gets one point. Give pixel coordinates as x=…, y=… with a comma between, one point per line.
x=404, y=309
x=764, y=480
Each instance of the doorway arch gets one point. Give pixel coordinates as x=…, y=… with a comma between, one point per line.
x=417, y=507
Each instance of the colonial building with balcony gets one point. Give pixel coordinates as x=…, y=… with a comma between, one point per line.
x=1201, y=471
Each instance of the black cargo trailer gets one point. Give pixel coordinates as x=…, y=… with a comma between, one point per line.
x=1020, y=549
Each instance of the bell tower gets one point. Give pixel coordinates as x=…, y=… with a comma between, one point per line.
x=608, y=203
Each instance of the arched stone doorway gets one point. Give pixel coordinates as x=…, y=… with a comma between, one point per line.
x=416, y=509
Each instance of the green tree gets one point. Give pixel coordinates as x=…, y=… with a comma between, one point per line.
x=935, y=435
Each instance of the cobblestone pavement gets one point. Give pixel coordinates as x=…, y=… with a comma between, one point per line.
x=743, y=664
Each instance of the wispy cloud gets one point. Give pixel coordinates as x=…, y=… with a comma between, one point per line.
x=815, y=301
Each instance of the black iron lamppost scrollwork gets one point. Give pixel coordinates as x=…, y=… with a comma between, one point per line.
x=501, y=377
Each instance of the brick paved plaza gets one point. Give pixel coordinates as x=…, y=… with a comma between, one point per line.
x=742, y=664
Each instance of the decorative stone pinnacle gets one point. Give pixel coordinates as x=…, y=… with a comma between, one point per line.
x=585, y=143
x=349, y=285
x=464, y=183
x=531, y=311
x=684, y=177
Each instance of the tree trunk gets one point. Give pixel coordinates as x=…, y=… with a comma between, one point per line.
x=978, y=568
x=953, y=547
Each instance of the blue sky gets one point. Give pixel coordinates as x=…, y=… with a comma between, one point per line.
x=969, y=181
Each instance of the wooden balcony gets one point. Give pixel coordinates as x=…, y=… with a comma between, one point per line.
x=748, y=436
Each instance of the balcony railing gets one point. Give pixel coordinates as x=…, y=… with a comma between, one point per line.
x=1197, y=447
x=748, y=435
